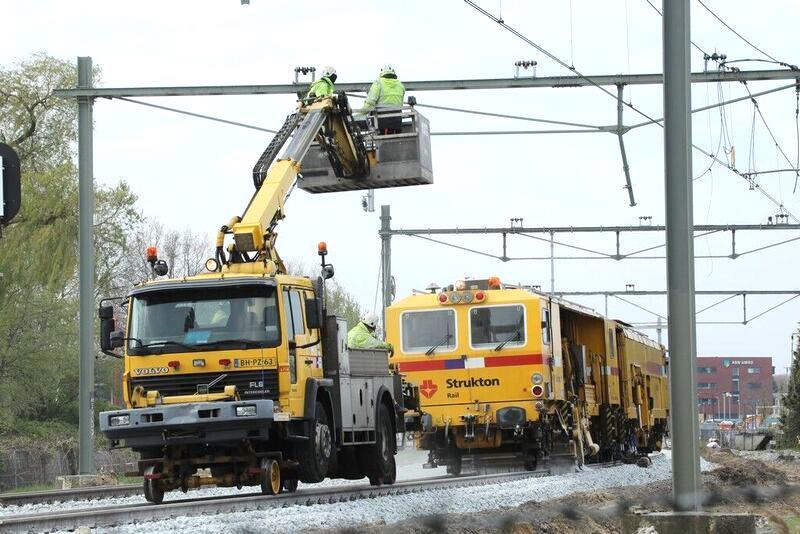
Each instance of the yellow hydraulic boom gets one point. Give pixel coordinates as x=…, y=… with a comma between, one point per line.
x=328, y=121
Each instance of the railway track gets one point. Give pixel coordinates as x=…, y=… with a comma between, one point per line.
x=74, y=494
x=100, y=517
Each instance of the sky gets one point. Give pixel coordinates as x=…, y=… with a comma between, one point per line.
x=195, y=174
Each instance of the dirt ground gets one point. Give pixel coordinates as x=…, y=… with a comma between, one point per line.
x=764, y=484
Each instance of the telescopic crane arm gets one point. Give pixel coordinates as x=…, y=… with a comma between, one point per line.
x=327, y=120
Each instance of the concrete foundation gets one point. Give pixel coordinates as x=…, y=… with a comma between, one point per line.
x=688, y=523
x=84, y=481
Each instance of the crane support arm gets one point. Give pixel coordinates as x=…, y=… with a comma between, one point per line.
x=327, y=121
x=266, y=206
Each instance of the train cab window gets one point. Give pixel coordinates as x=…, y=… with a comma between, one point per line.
x=497, y=326
x=428, y=331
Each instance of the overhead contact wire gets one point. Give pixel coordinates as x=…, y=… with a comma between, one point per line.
x=739, y=35
x=515, y=32
x=197, y=115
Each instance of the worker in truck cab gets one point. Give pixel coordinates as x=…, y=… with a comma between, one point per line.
x=386, y=92
x=323, y=86
x=362, y=335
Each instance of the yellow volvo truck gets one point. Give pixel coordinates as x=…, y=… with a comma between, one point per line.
x=514, y=376
x=238, y=376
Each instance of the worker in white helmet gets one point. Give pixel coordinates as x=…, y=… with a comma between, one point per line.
x=362, y=335
x=324, y=86
x=387, y=92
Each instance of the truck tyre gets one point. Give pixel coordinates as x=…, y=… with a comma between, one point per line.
x=314, y=455
x=382, y=468
x=153, y=489
x=270, y=476
x=290, y=485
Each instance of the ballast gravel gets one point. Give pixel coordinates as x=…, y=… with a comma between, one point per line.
x=381, y=510
x=387, y=510
x=409, y=467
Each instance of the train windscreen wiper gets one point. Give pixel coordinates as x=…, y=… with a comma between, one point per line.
x=431, y=350
x=502, y=344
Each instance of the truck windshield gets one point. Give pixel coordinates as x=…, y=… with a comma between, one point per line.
x=203, y=319
x=429, y=331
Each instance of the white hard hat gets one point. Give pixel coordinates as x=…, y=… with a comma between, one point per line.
x=370, y=319
x=328, y=71
x=387, y=69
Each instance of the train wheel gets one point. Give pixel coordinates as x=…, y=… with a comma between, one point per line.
x=382, y=468
x=270, y=476
x=290, y=485
x=153, y=489
x=454, y=465
x=531, y=462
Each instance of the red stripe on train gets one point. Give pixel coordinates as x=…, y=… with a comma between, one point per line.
x=429, y=365
x=519, y=359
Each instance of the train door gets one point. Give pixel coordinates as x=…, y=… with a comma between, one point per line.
x=557, y=367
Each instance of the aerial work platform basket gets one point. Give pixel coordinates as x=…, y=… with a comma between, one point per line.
x=398, y=143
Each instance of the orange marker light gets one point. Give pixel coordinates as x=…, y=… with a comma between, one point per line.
x=152, y=254
x=494, y=282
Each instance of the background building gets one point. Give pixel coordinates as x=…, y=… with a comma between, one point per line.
x=732, y=387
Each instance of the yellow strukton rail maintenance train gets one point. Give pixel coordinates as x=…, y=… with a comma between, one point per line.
x=511, y=373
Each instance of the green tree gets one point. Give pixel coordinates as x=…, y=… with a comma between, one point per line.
x=37, y=124
x=791, y=403
x=38, y=252
x=338, y=300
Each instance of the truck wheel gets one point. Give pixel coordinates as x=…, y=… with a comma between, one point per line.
x=153, y=490
x=290, y=485
x=270, y=476
x=382, y=467
x=314, y=455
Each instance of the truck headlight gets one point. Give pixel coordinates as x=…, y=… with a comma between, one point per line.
x=248, y=410
x=119, y=420
x=536, y=378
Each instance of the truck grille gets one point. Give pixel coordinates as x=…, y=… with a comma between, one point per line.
x=262, y=384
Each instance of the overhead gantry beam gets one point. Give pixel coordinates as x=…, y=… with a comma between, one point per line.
x=435, y=85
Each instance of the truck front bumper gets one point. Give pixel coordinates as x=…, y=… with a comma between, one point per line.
x=190, y=423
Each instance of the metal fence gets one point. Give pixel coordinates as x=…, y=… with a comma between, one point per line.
x=40, y=465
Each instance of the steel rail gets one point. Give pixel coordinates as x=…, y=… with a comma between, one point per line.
x=102, y=517
x=73, y=494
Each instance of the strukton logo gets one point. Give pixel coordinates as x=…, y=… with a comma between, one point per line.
x=428, y=388
x=472, y=382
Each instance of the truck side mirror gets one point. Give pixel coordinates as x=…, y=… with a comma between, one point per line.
x=106, y=314
x=313, y=313
x=117, y=339
x=327, y=271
